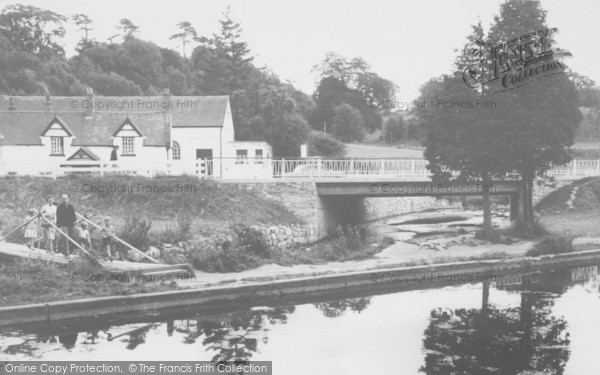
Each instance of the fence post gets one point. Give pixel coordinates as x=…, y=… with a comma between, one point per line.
x=382, y=167
x=574, y=169
x=319, y=167
x=598, y=167
x=283, y=168
x=351, y=166
x=413, y=167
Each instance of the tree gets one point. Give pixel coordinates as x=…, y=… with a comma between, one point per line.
x=128, y=28
x=187, y=34
x=85, y=24
x=395, y=129
x=463, y=143
x=223, y=62
x=32, y=29
x=325, y=145
x=544, y=113
x=347, y=124
x=352, y=82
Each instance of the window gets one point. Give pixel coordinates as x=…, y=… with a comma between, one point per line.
x=258, y=154
x=241, y=156
x=57, y=146
x=128, y=146
x=176, y=151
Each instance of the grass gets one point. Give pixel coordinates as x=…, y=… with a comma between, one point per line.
x=552, y=244
x=35, y=281
x=139, y=196
x=587, y=197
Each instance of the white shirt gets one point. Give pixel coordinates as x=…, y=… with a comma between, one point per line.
x=49, y=212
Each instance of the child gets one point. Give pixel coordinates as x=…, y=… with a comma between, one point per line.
x=83, y=236
x=107, y=234
x=30, y=230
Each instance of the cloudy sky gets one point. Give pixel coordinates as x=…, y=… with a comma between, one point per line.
x=407, y=42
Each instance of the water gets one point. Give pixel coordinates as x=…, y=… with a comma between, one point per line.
x=541, y=323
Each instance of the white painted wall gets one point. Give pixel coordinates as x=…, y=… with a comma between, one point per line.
x=36, y=159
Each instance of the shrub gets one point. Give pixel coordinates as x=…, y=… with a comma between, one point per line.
x=251, y=241
x=323, y=144
x=219, y=255
x=136, y=232
x=346, y=240
x=184, y=224
x=523, y=229
x=554, y=244
x=493, y=236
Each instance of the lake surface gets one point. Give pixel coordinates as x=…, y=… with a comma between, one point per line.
x=542, y=323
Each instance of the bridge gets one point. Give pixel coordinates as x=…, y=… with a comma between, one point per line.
x=341, y=202
x=307, y=169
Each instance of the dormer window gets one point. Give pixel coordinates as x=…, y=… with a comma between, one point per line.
x=57, y=146
x=128, y=146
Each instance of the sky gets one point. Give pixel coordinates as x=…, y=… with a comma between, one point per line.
x=407, y=42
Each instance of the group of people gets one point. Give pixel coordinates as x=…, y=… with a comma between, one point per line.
x=59, y=221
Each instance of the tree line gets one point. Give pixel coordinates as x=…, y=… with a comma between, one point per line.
x=33, y=62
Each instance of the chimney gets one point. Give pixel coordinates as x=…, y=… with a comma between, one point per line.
x=47, y=103
x=167, y=100
x=11, y=104
x=89, y=104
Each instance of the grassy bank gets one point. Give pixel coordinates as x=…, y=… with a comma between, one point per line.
x=33, y=281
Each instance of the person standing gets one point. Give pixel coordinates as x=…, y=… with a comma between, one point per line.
x=65, y=220
x=30, y=230
x=49, y=212
x=114, y=156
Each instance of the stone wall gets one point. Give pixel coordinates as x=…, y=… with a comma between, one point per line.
x=381, y=208
x=286, y=236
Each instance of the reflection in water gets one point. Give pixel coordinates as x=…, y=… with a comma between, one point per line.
x=338, y=308
x=468, y=336
x=494, y=340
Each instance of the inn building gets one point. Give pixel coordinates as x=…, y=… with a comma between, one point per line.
x=156, y=135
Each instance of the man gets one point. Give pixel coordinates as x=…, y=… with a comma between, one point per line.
x=65, y=220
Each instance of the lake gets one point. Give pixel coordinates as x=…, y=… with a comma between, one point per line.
x=516, y=324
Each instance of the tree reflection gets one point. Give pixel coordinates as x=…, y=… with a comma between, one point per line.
x=495, y=340
x=336, y=309
x=236, y=337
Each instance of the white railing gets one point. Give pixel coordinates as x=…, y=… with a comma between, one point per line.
x=283, y=168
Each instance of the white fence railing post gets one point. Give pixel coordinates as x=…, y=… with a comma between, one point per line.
x=282, y=168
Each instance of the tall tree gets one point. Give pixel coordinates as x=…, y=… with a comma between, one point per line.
x=85, y=24
x=128, y=28
x=185, y=36
x=544, y=113
x=32, y=29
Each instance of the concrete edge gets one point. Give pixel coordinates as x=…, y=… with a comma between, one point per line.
x=272, y=290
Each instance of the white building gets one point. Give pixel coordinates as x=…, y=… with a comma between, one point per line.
x=157, y=134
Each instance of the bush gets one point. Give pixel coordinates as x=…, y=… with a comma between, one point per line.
x=323, y=144
x=244, y=249
x=251, y=241
x=219, y=255
x=346, y=240
x=136, y=233
x=554, y=244
x=493, y=236
x=523, y=229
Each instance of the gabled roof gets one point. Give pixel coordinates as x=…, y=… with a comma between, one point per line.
x=24, y=128
x=186, y=111
x=130, y=123
x=57, y=120
x=83, y=154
